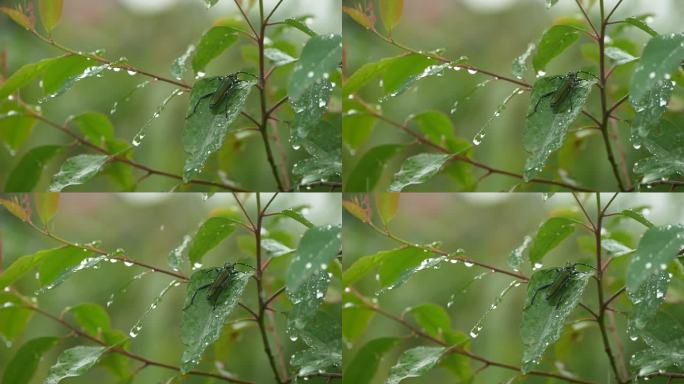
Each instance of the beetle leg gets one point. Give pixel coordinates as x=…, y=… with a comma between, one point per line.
x=534, y=297
x=192, y=300
x=194, y=109
x=542, y=97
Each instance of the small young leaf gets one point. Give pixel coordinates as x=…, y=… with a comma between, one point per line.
x=415, y=362
x=92, y=318
x=275, y=248
x=278, y=57
x=543, y=321
x=18, y=17
x=298, y=24
x=635, y=22
x=358, y=16
x=26, y=173
x=77, y=170
x=419, y=169
x=50, y=13
x=205, y=131
x=23, y=365
x=364, y=365
x=390, y=13
x=356, y=210
x=553, y=42
x=549, y=235
x=387, y=204
x=547, y=125
x=15, y=209
x=366, y=174
x=316, y=251
x=320, y=56
x=292, y=214
x=619, y=56
x=202, y=322
x=615, y=247
x=212, y=232
x=74, y=362
x=656, y=249
x=638, y=216
x=47, y=204
x=213, y=43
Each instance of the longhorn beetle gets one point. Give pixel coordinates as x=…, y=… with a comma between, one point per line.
x=562, y=93
x=556, y=288
x=220, y=284
x=219, y=96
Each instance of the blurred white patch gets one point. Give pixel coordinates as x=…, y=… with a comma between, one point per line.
x=149, y=6
x=144, y=198
x=489, y=6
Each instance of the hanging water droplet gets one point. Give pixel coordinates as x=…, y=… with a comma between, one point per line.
x=472, y=71
x=537, y=266
x=196, y=266
x=541, y=73
x=200, y=75
x=468, y=264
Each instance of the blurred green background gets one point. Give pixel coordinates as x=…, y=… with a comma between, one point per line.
x=488, y=227
x=492, y=33
x=148, y=227
x=152, y=34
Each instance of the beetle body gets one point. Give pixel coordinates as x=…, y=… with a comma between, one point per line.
x=556, y=289
x=221, y=94
x=219, y=285
x=561, y=95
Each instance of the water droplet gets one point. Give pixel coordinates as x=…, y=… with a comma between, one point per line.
x=472, y=71
x=541, y=73
x=200, y=75
x=652, y=75
x=197, y=266
x=537, y=266
x=131, y=72
x=468, y=264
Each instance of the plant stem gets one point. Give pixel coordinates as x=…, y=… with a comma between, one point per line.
x=260, y=293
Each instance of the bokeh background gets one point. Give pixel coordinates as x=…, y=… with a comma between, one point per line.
x=488, y=227
x=492, y=33
x=151, y=34
x=148, y=227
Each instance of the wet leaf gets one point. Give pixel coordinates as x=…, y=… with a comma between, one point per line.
x=23, y=76
x=77, y=170
x=306, y=299
x=74, y=362
x=210, y=234
x=519, y=66
x=547, y=126
x=316, y=251
x=298, y=24
x=619, y=56
x=297, y=216
x=415, y=362
x=205, y=131
x=637, y=216
x=429, y=71
x=92, y=318
x=27, y=172
x=356, y=129
x=23, y=365
x=325, y=162
x=59, y=71
x=432, y=318
x=26, y=263
x=666, y=146
x=309, y=110
x=664, y=337
x=278, y=57
x=202, y=322
x=180, y=65
x=615, y=248
x=16, y=125
x=418, y=169
x=275, y=248
x=656, y=249
x=543, y=321
x=635, y=22
x=355, y=317
x=437, y=127
x=647, y=300
x=323, y=335
x=211, y=45
x=366, y=174
x=553, y=42
x=364, y=365
x=517, y=257
x=60, y=260
x=320, y=56
x=549, y=236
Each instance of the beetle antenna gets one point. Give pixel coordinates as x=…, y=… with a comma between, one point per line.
x=246, y=73
x=246, y=265
x=587, y=265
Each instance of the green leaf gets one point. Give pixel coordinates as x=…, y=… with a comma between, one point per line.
x=365, y=264
x=92, y=318
x=212, y=232
x=23, y=365
x=517, y=257
x=210, y=3
x=437, y=127
x=57, y=268
x=432, y=70
x=666, y=146
x=320, y=56
x=657, y=248
x=180, y=65
x=18, y=17
x=432, y=318
x=390, y=13
x=615, y=248
x=309, y=109
x=213, y=43
x=115, y=362
x=543, y=321
x=26, y=173
x=366, y=174
x=553, y=42
x=47, y=204
x=16, y=124
x=25, y=263
x=396, y=265
x=619, y=56
x=298, y=24
x=323, y=336
x=549, y=235
x=364, y=365
x=357, y=128
x=275, y=248
x=297, y=216
x=546, y=125
x=59, y=71
x=89, y=72
x=402, y=70
x=316, y=251
x=550, y=3
x=418, y=169
x=23, y=76
x=202, y=322
x=387, y=204
x=307, y=299
x=13, y=317
x=77, y=170
x=355, y=317
x=635, y=22
x=278, y=57
x=664, y=337
x=415, y=362
x=359, y=16
x=74, y=362
x=519, y=66
x=323, y=146
x=50, y=13
x=95, y=127
x=651, y=85
x=205, y=131
x=366, y=73
x=647, y=300
x=637, y=216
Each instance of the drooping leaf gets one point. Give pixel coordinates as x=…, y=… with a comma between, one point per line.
x=16, y=124
x=74, y=362
x=366, y=73
x=210, y=3
x=59, y=71
x=275, y=248
x=179, y=66
x=615, y=248
x=59, y=261
x=359, y=16
x=23, y=365
x=543, y=320
x=26, y=173
x=637, y=216
x=418, y=169
x=387, y=204
x=363, y=366
x=297, y=216
x=25, y=263
x=15, y=208
x=67, y=268
x=205, y=131
x=366, y=174
x=298, y=24
x=619, y=56
x=549, y=235
x=550, y=3
x=395, y=272
x=13, y=317
x=278, y=57
x=517, y=257
x=651, y=85
x=657, y=248
x=429, y=71
x=316, y=251
x=636, y=22
x=390, y=13
x=202, y=322
x=212, y=232
x=50, y=13
x=77, y=170
x=547, y=125
x=23, y=76
x=415, y=362
x=213, y=43
x=553, y=42
x=320, y=56
x=91, y=71
x=47, y=204
x=365, y=264
x=400, y=71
